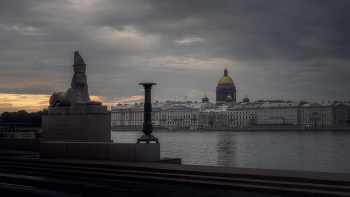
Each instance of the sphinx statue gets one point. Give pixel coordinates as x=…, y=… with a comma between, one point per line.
x=77, y=94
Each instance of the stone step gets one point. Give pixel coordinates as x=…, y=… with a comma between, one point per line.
x=233, y=183
x=199, y=183
x=195, y=171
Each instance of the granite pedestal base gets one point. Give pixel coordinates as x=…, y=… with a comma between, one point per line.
x=81, y=127
x=74, y=110
x=148, y=152
x=101, y=151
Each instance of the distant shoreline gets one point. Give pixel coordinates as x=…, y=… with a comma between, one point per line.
x=248, y=128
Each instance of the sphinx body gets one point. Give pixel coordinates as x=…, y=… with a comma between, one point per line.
x=78, y=93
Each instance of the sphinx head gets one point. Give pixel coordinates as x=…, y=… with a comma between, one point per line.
x=79, y=79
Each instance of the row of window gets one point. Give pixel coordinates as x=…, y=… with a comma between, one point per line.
x=181, y=122
x=313, y=122
x=277, y=116
x=239, y=117
x=239, y=113
x=303, y=116
x=324, y=110
x=181, y=117
x=132, y=116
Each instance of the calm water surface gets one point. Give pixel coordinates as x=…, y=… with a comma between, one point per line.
x=324, y=151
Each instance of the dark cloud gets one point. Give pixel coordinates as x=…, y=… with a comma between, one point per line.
x=273, y=49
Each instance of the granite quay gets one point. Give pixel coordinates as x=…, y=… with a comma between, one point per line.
x=277, y=182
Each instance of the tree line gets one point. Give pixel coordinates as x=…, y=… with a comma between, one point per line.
x=23, y=116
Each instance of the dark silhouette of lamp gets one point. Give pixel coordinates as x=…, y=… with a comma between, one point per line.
x=147, y=120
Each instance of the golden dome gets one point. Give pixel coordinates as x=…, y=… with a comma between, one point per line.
x=225, y=79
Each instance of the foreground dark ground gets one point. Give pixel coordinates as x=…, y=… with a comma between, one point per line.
x=24, y=183
x=24, y=173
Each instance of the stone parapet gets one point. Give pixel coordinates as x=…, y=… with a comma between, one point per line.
x=23, y=144
x=101, y=151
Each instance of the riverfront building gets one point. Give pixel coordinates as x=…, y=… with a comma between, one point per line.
x=182, y=114
x=341, y=114
x=133, y=114
x=316, y=114
x=242, y=114
x=278, y=113
x=227, y=112
x=214, y=117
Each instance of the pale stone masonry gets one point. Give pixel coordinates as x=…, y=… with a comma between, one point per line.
x=216, y=117
x=183, y=114
x=187, y=115
x=278, y=113
x=316, y=114
x=133, y=114
x=341, y=114
x=242, y=114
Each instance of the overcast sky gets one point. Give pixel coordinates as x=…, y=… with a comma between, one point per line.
x=291, y=50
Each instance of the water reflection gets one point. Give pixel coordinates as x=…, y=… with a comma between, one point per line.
x=226, y=149
x=324, y=151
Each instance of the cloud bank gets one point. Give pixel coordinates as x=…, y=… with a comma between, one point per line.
x=292, y=50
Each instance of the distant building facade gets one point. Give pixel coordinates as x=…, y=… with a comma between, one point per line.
x=227, y=112
x=182, y=114
x=341, y=114
x=214, y=117
x=133, y=114
x=242, y=114
x=316, y=114
x=278, y=113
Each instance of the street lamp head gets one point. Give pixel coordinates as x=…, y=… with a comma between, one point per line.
x=147, y=84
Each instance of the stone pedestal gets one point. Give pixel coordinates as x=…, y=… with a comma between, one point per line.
x=148, y=152
x=74, y=110
x=76, y=132
x=82, y=127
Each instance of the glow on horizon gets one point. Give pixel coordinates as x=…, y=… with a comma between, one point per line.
x=28, y=102
x=37, y=102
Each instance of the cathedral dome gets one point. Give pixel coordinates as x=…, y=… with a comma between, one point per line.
x=246, y=99
x=225, y=78
x=205, y=99
x=225, y=90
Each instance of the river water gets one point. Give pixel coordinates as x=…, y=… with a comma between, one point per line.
x=323, y=151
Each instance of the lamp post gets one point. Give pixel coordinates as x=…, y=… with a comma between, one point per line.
x=147, y=120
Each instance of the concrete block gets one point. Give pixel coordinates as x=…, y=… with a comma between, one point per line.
x=170, y=160
x=147, y=152
x=88, y=150
x=122, y=152
x=85, y=127
x=4, y=143
x=33, y=144
x=53, y=149
x=20, y=144
x=15, y=143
